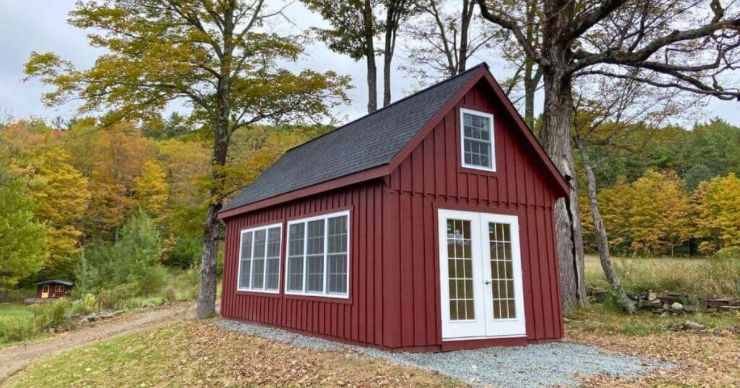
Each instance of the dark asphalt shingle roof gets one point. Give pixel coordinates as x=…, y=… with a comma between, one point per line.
x=367, y=142
x=55, y=281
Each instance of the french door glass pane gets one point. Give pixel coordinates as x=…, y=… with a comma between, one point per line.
x=460, y=270
x=296, y=234
x=502, y=274
x=245, y=257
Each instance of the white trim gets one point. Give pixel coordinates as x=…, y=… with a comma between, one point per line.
x=492, y=150
x=325, y=293
x=484, y=325
x=266, y=228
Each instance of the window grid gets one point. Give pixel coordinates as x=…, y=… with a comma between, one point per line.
x=259, y=259
x=323, y=256
x=460, y=270
x=502, y=273
x=477, y=140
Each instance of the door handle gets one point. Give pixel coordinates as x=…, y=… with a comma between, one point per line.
x=486, y=282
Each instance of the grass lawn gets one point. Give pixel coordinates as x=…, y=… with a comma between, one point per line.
x=13, y=317
x=11, y=312
x=200, y=354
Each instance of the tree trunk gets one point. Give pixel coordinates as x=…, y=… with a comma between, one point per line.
x=467, y=15
x=529, y=90
x=372, y=76
x=387, y=77
x=603, y=241
x=206, y=307
x=555, y=136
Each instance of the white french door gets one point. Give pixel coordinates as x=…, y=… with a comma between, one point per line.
x=480, y=275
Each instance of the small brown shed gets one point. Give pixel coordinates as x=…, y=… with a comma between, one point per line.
x=426, y=225
x=53, y=288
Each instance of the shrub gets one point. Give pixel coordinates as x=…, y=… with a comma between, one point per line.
x=17, y=330
x=185, y=253
x=134, y=260
x=115, y=298
x=51, y=315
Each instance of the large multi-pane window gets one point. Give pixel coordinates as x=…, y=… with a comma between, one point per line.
x=318, y=255
x=477, y=140
x=259, y=259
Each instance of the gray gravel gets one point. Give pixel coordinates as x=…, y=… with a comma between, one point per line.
x=522, y=366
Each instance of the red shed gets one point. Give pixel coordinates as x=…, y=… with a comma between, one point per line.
x=52, y=288
x=427, y=225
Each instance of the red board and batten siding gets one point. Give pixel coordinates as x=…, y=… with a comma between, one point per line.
x=432, y=178
x=394, y=298
x=357, y=319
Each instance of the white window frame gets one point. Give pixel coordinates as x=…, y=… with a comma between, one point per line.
x=266, y=228
x=463, y=112
x=325, y=293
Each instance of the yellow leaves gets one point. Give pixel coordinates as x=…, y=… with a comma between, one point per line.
x=719, y=210
x=151, y=190
x=653, y=213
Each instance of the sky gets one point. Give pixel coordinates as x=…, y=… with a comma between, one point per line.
x=41, y=25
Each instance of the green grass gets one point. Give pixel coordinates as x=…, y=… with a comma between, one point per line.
x=694, y=276
x=16, y=323
x=12, y=312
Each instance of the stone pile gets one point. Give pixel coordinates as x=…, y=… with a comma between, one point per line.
x=672, y=303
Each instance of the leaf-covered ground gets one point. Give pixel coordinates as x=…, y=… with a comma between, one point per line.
x=706, y=358
x=197, y=354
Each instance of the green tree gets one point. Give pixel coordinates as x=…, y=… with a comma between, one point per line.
x=213, y=54
x=22, y=238
x=133, y=260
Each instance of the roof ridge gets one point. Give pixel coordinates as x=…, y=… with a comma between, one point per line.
x=391, y=104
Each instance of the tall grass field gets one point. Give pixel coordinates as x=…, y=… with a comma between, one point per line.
x=713, y=276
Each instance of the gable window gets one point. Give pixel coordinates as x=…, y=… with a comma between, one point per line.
x=477, y=140
x=318, y=256
x=259, y=259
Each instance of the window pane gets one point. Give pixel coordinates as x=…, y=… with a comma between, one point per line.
x=502, y=271
x=273, y=259
x=295, y=273
x=273, y=274
x=244, y=276
x=337, y=234
x=245, y=260
x=477, y=140
x=258, y=262
x=316, y=237
x=338, y=273
x=296, y=234
x=273, y=242
x=460, y=270
x=315, y=276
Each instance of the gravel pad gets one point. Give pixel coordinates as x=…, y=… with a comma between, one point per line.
x=534, y=365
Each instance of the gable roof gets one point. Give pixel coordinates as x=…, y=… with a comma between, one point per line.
x=375, y=140
x=54, y=281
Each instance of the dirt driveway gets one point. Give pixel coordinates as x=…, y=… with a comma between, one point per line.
x=15, y=358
